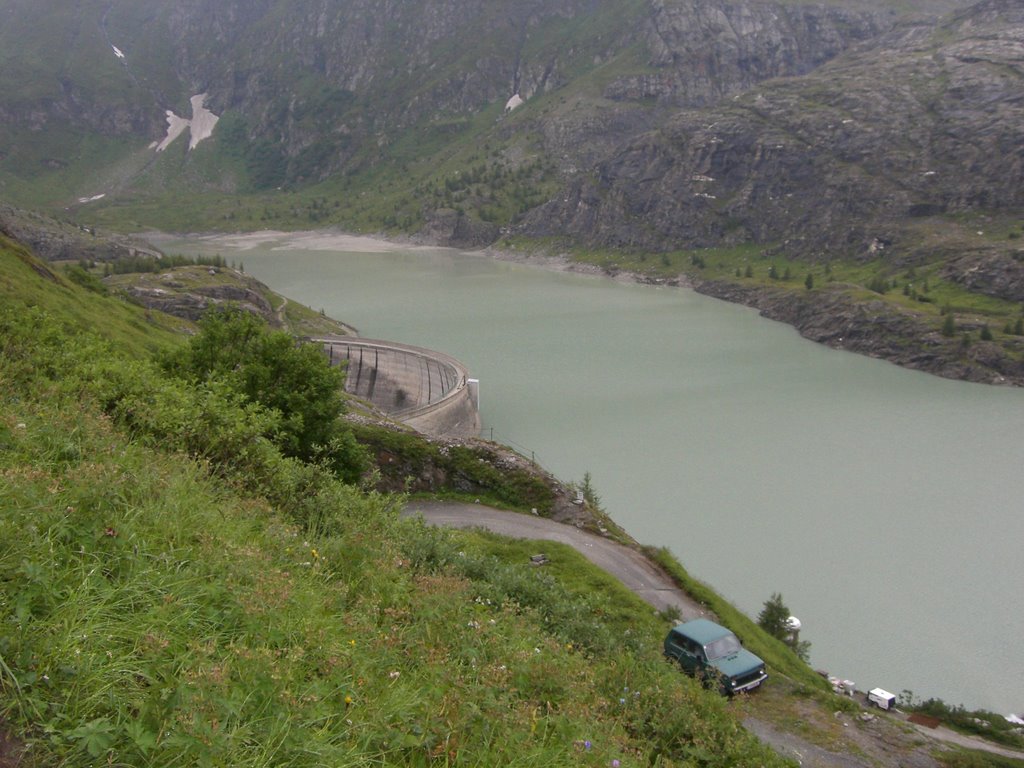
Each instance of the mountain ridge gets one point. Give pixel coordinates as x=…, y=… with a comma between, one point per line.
x=862, y=145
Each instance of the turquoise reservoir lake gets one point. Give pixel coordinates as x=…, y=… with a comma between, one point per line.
x=887, y=506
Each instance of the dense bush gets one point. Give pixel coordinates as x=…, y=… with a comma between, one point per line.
x=236, y=350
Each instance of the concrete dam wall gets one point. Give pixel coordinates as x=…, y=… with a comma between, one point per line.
x=429, y=391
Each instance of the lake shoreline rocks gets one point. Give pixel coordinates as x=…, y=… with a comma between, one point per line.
x=829, y=316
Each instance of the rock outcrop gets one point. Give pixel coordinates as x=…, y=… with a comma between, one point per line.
x=54, y=240
x=919, y=122
x=188, y=292
x=877, y=329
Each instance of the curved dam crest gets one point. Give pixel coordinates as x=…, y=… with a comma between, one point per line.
x=424, y=389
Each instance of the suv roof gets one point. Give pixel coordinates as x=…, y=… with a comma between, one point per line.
x=702, y=631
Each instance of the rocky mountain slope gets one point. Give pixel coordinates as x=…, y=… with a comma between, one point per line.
x=922, y=121
x=880, y=144
x=315, y=86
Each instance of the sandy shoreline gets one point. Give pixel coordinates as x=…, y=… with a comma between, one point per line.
x=328, y=240
x=310, y=240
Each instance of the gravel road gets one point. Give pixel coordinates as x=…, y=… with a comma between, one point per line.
x=879, y=743
x=629, y=566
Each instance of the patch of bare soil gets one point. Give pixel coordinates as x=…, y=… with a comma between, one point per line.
x=11, y=750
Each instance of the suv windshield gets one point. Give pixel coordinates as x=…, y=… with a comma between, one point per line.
x=723, y=646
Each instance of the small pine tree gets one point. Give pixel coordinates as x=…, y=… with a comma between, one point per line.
x=787, y=275
x=986, y=334
x=809, y=281
x=774, y=616
x=749, y=272
x=879, y=284
x=949, y=326
x=1019, y=327
x=773, y=273
x=774, y=619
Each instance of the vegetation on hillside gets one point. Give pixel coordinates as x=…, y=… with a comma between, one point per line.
x=178, y=591
x=268, y=369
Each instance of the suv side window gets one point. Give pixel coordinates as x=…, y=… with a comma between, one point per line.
x=677, y=640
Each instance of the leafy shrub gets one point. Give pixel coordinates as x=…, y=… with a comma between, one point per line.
x=85, y=279
x=879, y=284
x=268, y=368
x=987, y=724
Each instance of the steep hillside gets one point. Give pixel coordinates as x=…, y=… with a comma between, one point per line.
x=285, y=617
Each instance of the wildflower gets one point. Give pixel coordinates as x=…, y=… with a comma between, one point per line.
x=586, y=744
x=394, y=674
x=622, y=701
x=615, y=763
x=352, y=642
x=315, y=554
x=348, y=700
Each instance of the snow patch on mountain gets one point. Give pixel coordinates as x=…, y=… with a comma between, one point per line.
x=200, y=126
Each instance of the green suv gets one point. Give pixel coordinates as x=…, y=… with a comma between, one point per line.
x=712, y=653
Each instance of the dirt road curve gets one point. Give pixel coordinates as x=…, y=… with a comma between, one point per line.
x=880, y=743
x=627, y=565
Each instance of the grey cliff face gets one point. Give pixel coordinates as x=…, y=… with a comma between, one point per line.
x=704, y=52
x=366, y=68
x=918, y=122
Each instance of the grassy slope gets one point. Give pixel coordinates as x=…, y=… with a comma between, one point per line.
x=25, y=281
x=283, y=618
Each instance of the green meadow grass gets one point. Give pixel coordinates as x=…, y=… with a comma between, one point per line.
x=176, y=592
